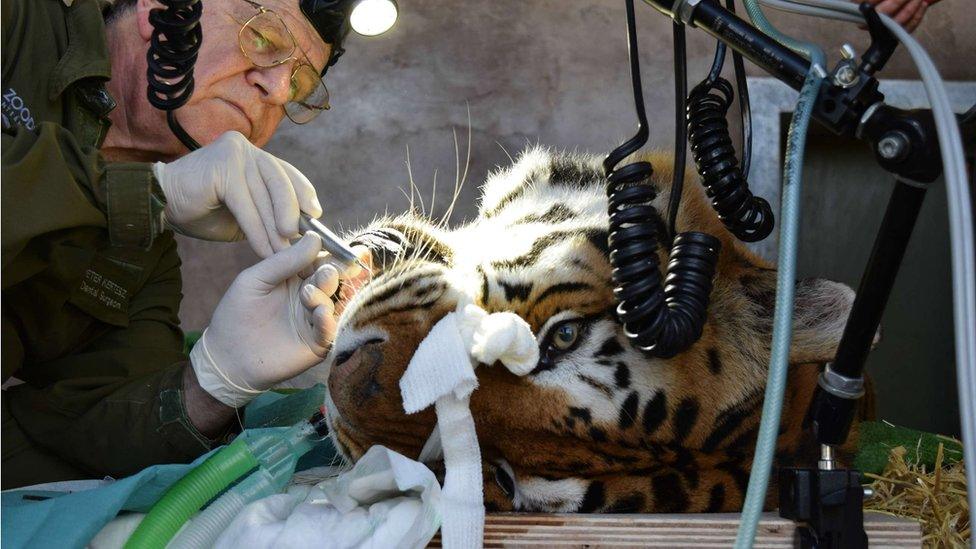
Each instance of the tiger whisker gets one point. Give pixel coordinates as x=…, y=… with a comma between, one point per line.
x=458, y=177
x=410, y=179
x=420, y=196
x=433, y=195
x=405, y=195
x=467, y=160
x=457, y=174
x=504, y=150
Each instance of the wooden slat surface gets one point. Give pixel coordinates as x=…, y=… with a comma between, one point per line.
x=714, y=530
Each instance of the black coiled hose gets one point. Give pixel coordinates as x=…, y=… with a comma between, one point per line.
x=176, y=39
x=748, y=217
x=662, y=318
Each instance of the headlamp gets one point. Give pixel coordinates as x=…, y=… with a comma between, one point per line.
x=333, y=19
x=373, y=17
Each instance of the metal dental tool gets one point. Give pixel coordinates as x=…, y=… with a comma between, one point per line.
x=330, y=242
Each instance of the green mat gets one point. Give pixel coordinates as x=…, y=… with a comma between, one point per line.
x=877, y=438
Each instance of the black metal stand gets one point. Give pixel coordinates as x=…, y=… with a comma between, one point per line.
x=828, y=505
x=827, y=501
x=841, y=384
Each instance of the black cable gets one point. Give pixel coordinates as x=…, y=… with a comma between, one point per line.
x=748, y=217
x=745, y=110
x=660, y=317
x=718, y=63
x=680, y=130
x=173, y=49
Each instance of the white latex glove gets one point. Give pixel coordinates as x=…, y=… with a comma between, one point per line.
x=230, y=190
x=270, y=326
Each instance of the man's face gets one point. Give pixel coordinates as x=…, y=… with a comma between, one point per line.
x=231, y=93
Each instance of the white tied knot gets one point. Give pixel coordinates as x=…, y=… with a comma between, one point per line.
x=498, y=337
x=441, y=373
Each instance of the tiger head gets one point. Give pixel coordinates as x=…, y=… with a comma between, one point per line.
x=597, y=426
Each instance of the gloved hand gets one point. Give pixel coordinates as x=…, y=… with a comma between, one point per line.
x=230, y=190
x=270, y=326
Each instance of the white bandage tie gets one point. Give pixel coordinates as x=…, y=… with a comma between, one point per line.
x=441, y=373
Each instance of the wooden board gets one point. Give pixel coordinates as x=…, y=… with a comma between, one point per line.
x=692, y=530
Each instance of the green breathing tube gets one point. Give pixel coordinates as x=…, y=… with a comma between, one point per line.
x=189, y=494
x=273, y=452
x=278, y=457
x=204, y=529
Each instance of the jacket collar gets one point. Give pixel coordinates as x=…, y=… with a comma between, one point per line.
x=87, y=52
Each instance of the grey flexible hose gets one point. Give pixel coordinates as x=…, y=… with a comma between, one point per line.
x=785, y=5
x=762, y=463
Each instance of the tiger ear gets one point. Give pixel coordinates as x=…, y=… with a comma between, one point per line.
x=820, y=312
x=504, y=183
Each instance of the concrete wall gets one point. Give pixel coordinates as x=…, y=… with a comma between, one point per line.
x=548, y=71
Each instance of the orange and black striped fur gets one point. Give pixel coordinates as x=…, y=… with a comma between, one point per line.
x=597, y=426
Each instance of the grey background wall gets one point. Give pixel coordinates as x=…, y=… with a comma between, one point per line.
x=541, y=71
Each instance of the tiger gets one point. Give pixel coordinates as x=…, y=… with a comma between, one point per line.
x=597, y=426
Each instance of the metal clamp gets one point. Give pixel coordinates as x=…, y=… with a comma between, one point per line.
x=845, y=75
x=839, y=385
x=684, y=10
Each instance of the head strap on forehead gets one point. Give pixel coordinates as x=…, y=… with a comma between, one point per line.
x=331, y=20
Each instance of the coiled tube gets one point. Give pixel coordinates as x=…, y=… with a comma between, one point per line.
x=662, y=318
x=748, y=217
x=172, y=52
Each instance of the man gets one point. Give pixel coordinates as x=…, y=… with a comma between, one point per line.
x=95, y=379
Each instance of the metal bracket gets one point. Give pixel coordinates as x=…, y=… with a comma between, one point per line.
x=842, y=386
x=685, y=10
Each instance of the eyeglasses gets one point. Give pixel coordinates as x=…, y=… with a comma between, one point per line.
x=267, y=42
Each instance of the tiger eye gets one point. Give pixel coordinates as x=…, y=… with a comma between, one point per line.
x=566, y=335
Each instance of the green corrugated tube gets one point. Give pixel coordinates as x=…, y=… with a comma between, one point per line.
x=206, y=527
x=278, y=452
x=189, y=494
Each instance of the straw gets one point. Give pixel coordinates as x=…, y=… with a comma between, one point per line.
x=935, y=496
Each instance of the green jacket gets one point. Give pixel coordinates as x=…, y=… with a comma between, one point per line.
x=91, y=284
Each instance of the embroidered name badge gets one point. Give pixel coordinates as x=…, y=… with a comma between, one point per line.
x=105, y=290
